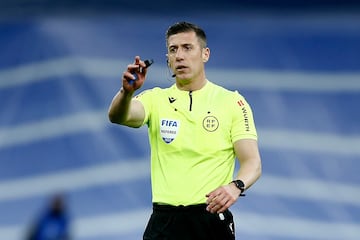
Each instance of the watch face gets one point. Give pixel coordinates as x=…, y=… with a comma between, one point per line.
x=239, y=184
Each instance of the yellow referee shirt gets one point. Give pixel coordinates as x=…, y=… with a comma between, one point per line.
x=191, y=136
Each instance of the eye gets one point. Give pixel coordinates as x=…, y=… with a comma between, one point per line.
x=172, y=50
x=188, y=47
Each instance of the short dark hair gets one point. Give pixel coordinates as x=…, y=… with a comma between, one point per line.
x=181, y=27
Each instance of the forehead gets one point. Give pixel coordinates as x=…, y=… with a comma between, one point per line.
x=183, y=38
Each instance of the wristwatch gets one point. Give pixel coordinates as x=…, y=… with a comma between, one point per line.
x=240, y=185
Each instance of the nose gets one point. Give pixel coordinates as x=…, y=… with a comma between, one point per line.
x=179, y=54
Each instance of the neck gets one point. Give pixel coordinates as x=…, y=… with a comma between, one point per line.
x=191, y=84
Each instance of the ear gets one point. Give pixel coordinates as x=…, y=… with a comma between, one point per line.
x=205, y=54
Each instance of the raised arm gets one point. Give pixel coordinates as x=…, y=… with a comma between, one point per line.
x=124, y=109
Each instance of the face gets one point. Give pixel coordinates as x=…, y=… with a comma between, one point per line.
x=186, y=56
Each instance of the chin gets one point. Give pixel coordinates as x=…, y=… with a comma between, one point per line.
x=183, y=76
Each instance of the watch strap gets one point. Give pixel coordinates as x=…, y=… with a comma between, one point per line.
x=240, y=185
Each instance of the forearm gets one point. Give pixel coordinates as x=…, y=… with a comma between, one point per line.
x=249, y=158
x=249, y=172
x=224, y=196
x=119, y=107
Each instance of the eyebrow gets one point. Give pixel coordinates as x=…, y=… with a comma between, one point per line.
x=184, y=44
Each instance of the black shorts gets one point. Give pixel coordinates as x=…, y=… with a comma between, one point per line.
x=188, y=223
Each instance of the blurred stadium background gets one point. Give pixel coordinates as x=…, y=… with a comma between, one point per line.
x=297, y=63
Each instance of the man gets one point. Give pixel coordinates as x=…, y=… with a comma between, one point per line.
x=54, y=223
x=196, y=130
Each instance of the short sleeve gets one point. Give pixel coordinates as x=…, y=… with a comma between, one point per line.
x=146, y=98
x=243, y=124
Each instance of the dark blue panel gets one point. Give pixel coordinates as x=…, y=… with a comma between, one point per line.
x=238, y=40
x=68, y=152
x=54, y=98
x=307, y=111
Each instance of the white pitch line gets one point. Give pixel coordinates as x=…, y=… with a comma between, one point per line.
x=118, y=223
x=289, y=80
x=250, y=79
x=308, y=189
x=54, y=127
x=295, y=228
x=309, y=141
x=71, y=180
x=42, y=71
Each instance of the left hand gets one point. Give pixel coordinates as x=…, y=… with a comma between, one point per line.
x=222, y=198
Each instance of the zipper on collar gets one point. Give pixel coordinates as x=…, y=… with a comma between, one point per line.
x=190, y=95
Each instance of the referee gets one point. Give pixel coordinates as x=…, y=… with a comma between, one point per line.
x=196, y=130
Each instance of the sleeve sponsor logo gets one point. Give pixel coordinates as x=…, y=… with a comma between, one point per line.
x=240, y=102
x=245, y=114
x=246, y=119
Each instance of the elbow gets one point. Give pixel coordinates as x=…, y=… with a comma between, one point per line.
x=113, y=118
x=117, y=118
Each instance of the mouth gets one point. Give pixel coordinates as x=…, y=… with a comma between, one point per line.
x=180, y=68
